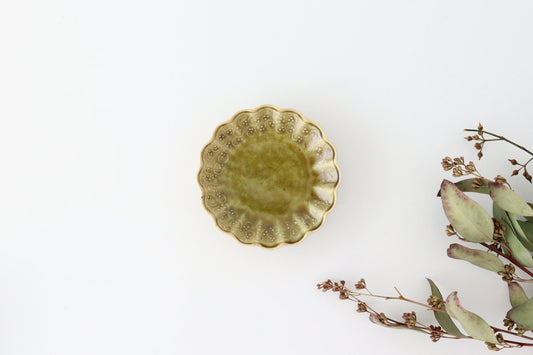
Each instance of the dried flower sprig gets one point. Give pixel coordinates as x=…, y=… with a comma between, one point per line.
x=507, y=236
x=409, y=319
x=480, y=140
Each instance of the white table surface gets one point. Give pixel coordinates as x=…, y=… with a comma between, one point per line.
x=105, y=247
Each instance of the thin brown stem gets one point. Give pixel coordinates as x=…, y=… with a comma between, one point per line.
x=526, y=281
x=519, y=343
x=501, y=138
x=508, y=257
x=496, y=329
x=399, y=298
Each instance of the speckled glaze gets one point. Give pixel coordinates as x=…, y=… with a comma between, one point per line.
x=268, y=176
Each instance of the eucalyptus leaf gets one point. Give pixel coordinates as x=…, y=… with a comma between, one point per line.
x=480, y=258
x=499, y=213
x=523, y=314
x=473, y=324
x=517, y=296
x=443, y=318
x=467, y=216
x=519, y=251
x=529, y=219
x=509, y=200
x=527, y=229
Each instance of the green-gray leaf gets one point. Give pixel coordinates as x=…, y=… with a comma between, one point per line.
x=499, y=213
x=527, y=228
x=522, y=314
x=468, y=218
x=473, y=324
x=509, y=200
x=519, y=251
x=517, y=296
x=480, y=258
x=529, y=219
x=442, y=317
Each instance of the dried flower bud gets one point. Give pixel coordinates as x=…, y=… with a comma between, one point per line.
x=515, y=172
x=436, y=333
x=492, y=347
x=499, y=230
x=477, y=183
x=527, y=176
x=361, y=284
x=469, y=138
x=361, y=307
x=325, y=286
x=478, y=146
x=450, y=230
x=410, y=319
x=435, y=302
x=339, y=286
x=508, y=323
x=470, y=168
x=382, y=318
x=507, y=274
x=513, y=161
x=500, y=179
x=456, y=172
x=447, y=163
x=480, y=155
x=479, y=129
x=509, y=268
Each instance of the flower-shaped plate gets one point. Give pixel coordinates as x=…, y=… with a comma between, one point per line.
x=269, y=176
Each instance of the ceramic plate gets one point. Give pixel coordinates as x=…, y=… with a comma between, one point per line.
x=268, y=176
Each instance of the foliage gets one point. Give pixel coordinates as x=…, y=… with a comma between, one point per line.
x=502, y=244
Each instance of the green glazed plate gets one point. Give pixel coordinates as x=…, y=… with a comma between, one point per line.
x=269, y=176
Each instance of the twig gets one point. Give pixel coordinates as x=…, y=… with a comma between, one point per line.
x=508, y=257
x=502, y=138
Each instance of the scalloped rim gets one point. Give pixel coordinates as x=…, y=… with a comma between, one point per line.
x=322, y=136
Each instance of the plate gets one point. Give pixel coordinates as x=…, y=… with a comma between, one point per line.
x=269, y=176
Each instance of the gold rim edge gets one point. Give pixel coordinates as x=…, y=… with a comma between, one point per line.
x=322, y=135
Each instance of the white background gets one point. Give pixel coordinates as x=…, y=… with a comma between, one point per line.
x=105, y=247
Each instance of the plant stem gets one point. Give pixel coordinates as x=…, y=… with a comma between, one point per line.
x=399, y=298
x=518, y=343
x=501, y=138
x=496, y=329
x=508, y=257
x=519, y=279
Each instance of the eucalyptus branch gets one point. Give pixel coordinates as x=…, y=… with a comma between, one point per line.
x=505, y=239
x=410, y=321
x=481, y=140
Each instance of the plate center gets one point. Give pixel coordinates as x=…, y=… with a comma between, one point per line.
x=268, y=173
